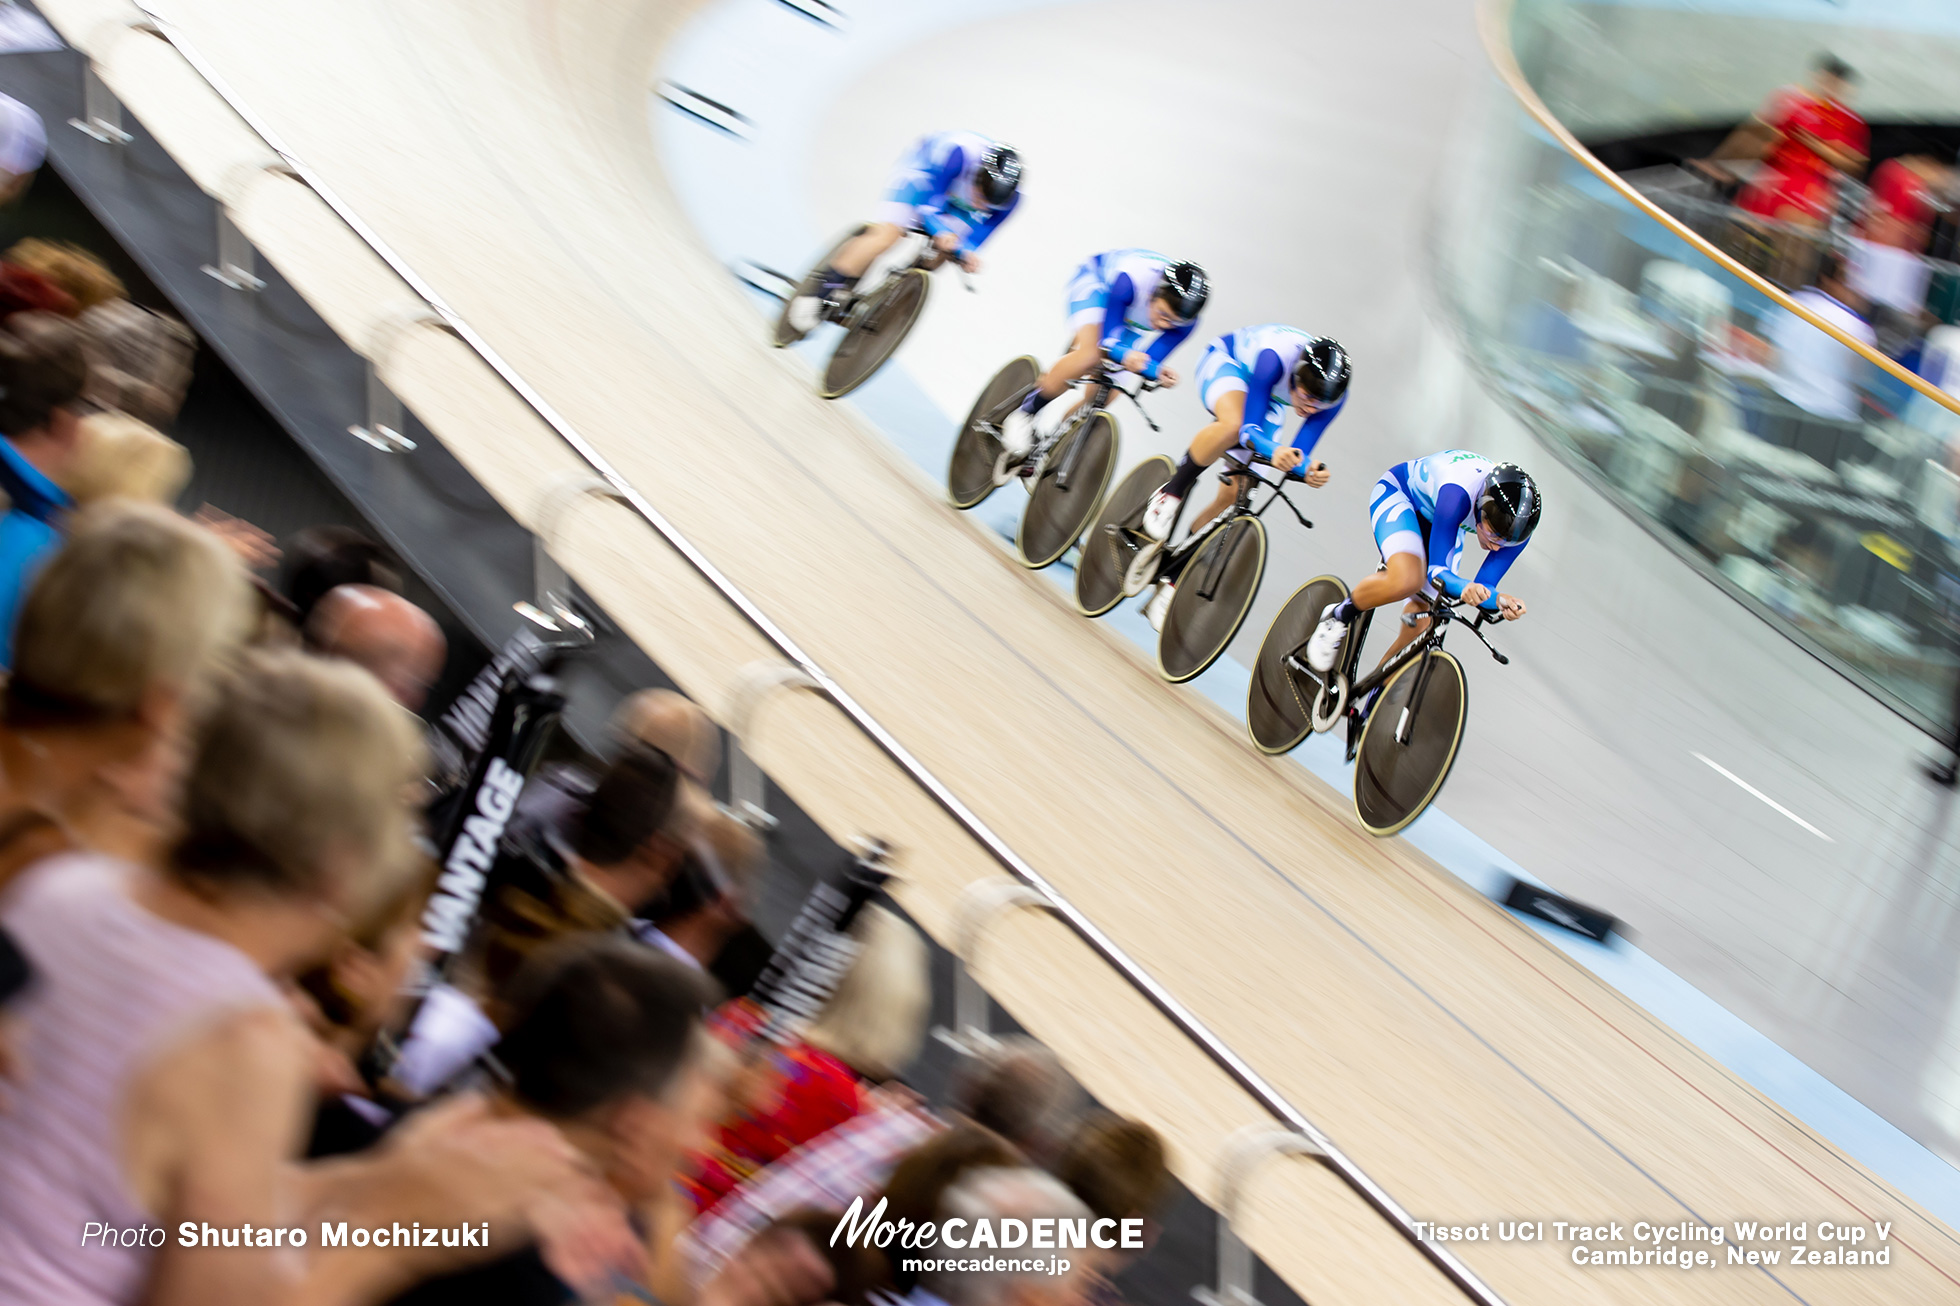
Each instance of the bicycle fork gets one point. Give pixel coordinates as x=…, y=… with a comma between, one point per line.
x=1406, y=722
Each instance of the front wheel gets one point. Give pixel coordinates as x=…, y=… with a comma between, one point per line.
x=1108, y=549
x=1214, y=593
x=1407, y=748
x=1279, y=701
x=970, y=474
x=876, y=329
x=1073, y=479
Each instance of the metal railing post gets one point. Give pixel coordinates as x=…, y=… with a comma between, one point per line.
x=1243, y=1153
x=747, y=795
x=236, y=257
x=383, y=427
x=980, y=904
x=101, y=111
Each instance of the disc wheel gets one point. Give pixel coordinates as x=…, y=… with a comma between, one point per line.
x=1197, y=629
x=1106, y=555
x=1279, y=701
x=970, y=473
x=875, y=331
x=1394, y=782
x=1057, y=513
x=786, y=334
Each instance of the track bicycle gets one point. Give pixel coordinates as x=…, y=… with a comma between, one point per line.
x=876, y=315
x=1218, y=568
x=1068, y=470
x=1404, y=720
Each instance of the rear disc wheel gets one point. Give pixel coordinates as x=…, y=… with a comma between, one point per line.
x=786, y=334
x=1279, y=701
x=970, y=472
x=1106, y=553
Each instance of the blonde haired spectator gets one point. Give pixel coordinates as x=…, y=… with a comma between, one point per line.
x=114, y=651
x=83, y=276
x=117, y=456
x=876, y=1020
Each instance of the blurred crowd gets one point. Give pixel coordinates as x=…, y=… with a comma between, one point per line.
x=226, y=804
x=1819, y=482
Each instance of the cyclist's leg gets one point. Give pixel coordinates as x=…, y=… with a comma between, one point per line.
x=1078, y=362
x=1228, y=490
x=881, y=235
x=1399, y=537
x=1415, y=612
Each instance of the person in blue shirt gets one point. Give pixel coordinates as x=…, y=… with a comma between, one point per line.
x=956, y=186
x=1423, y=510
x=1129, y=307
x=42, y=372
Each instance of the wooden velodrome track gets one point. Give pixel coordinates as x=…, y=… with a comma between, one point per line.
x=501, y=147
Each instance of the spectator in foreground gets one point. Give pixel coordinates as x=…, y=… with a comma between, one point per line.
x=622, y=852
x=605, y=1043
x=323, y=558
x=1007, y=1194
x=707, y=904
x=23, y=148
x=118, y=457
x=165, y=1074
x=41, y=376
x=1812, y=370
x=789, y=1093
x=393, y=640
x=899, y=1147
x=115, y=648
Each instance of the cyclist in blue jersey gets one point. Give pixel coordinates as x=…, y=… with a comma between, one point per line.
x=1131, y=307
x=1248, y=379
x=1422, y=511
x=957, y=187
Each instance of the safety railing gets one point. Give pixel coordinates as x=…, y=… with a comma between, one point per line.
x=1761, y=432
x=800, y=670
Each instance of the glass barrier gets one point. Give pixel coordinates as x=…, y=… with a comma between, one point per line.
x=1808, y=479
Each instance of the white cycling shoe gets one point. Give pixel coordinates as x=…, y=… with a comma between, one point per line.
x=1159, y=606
x=805, y=311
x=1016, y=438
x=1324, y=646
x=1161, y=516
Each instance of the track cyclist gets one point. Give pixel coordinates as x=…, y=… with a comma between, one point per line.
x=956, y=186
x=1248, y=379
x=1117, y=301
x=1422, y=510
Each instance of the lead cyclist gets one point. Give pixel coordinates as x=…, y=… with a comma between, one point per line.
x=1422, y=511
x=956, y=186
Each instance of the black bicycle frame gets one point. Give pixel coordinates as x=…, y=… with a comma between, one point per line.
x=1241, y=507
x=1440, y=617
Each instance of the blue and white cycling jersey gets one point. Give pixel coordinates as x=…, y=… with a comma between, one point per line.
x=1259, y=360
x=933, y=189
x=1113, y=290
x=1426, y=507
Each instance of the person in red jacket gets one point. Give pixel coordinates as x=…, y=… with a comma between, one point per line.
x=1814, y=136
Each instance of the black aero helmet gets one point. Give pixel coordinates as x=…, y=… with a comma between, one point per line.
x=1185, y=289
x=999, y=175
x=1510, y=503
x=1323, y=370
